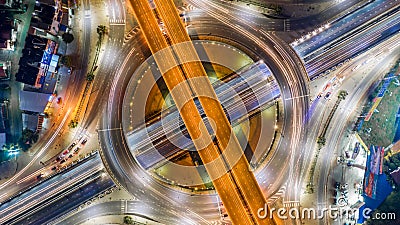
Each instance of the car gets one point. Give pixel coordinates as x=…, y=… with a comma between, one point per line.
x=63, y=161
x=328, y=95
x=319, y=96
x=70, y=156
x=327, y=86
x=357, y=147
x=84, y=141
x=71, y=146
x=58, y=158
x=54, y=168
x=65, y=152
x=77, y=150
x=39, y=176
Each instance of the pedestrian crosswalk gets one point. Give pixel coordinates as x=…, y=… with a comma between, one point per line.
x=291, y=204
x=277, y=195
x=117, y=22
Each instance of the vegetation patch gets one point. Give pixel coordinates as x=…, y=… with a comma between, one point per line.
x=380, y=129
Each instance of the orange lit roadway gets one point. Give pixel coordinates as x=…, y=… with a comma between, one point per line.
x=238, y=189
x=226, y=139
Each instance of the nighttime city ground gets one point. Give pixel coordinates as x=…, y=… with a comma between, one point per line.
x=200, y=112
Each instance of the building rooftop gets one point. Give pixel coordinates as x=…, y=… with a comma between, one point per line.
x=396, y=176
x=3, y=139
x=30, y=121
x=396, y=147
x=3, y=116
x=4, y=69
x=31, y=57
x=2, y=72
x=6, y=3
x=5, y=33
x=33, y=101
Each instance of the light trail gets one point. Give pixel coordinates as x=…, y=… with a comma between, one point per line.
x=39, y=153
x=37, y=172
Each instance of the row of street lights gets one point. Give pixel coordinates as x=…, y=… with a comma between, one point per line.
x=310, y=35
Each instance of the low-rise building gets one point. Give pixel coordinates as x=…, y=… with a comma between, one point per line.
x=11, y=5
x=6, y=3
x=396, y=147
x=8, y=34
x=32, y=121
x=5, y=68
x=396, y=176
x=3, y=139
x=34, y=102
x=50, y=18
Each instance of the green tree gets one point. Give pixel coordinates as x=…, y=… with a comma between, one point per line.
x=28, y=138
x=66, y=60
x=67, y=38
x=101, y=30
x=128, y=220
x=90, y=77
x=73, y=124
x=321, y=141
x=342, y=94
x=392, y=166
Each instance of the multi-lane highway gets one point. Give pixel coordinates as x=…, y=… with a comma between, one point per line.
x=296, y=100
x=255, y=87
x=129, y=173
x=26, y=177
x=32, y=205
x=222, y=157
x=123, y=207
x=245, y=33
x=347, y=112
x=44, y=148
x=301, y=24
x=349, y=37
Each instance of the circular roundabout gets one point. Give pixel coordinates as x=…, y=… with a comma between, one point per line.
x=157, y=137
x=147, y=150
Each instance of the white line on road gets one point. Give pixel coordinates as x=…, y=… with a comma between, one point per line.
x=297, y=97
x=118, y=128
x=39, y=153
x=3, y=195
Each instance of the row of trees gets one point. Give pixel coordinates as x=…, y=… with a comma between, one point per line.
x=67, y=38
x=321, y=141
x=392, y=163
